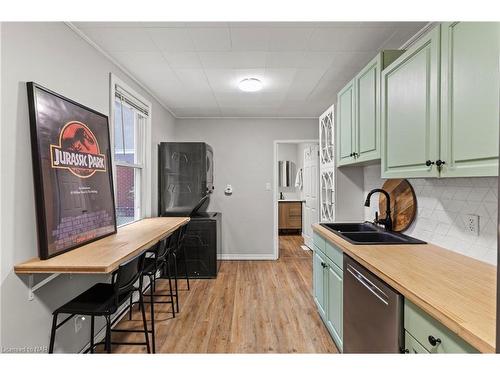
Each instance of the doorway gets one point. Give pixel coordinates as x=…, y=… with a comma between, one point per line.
x=296, y=195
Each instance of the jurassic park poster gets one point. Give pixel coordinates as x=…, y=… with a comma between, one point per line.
x=72, y=172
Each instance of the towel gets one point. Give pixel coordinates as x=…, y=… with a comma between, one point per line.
x=298, y=179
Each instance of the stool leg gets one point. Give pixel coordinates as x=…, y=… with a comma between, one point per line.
x=53, y=333
x=145, y=324
x=186, y=267
x=130, y=308
x=92, y=322
x=151, y=294
x=175, y=282
x=108, y=334
x=171, y=289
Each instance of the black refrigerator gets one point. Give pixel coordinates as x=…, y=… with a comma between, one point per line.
x=185, y=183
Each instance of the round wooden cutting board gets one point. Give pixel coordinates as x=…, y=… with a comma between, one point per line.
x=403, y=203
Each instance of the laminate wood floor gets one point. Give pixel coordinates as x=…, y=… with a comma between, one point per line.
x=252, y=307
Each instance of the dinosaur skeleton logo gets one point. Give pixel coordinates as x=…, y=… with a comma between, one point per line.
x=78, y=151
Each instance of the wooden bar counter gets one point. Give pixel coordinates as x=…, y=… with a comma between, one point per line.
x=105, y=255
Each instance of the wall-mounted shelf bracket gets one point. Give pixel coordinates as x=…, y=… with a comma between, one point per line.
x=32, y=287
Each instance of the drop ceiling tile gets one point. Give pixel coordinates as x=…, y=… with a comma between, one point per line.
x=284, y=59
x=289, y=39
x=193, y=79
x=172, y=39
x=86, y=25
x=349, y=39
x=145, y=64
x=233, y=60
x=186, y=60
x=121, y=39
x=278, y=79
x=304, y=83
x=317, y=59
x=249, y=39
x=211, y=39
x=196, y=111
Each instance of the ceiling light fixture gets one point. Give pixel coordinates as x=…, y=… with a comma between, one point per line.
x=250, y=85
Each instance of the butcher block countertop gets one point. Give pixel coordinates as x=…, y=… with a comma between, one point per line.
x=458, y=291
x=106, y=254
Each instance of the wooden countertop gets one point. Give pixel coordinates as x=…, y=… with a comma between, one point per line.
x=106, y=254
x=458, y=291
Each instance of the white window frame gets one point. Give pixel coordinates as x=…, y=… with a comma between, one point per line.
x=146, y=183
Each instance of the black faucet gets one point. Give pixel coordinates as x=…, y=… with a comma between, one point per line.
x=387, y=222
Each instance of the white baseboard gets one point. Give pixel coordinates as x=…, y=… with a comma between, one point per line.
x=247, y=257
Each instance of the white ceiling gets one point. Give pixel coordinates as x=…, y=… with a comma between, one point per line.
x=194, y=68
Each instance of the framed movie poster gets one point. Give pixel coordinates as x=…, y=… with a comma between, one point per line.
x=72, y=172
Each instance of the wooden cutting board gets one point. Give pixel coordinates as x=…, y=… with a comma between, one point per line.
x=403, y=203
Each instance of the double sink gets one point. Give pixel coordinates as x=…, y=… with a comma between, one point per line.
x=369, y=234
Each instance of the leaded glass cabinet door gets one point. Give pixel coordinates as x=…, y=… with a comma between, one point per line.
x=327, y=165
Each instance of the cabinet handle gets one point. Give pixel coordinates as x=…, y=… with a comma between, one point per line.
x=351, y=154
x=439, y=163
x=434, y=341
x=324, y=265
x=355, y=154
x=429, y=163
x=405, y=351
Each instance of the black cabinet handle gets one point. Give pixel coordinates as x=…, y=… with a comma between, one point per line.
x=439, y=163
x=351, y=154
x=434, y=341
x=355, y=154
x=324, y=265
x=429, y=163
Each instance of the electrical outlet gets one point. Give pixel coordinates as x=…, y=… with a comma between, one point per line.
x=472, y=224
x=79, y=322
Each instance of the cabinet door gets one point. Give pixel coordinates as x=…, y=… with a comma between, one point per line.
x=367, y=89
x=410, y=111
x=319, y=282
x=335, y=301
x=345, y=125
x=469, y=98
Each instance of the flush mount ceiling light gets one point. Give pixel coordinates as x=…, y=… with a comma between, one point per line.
x=250, y=85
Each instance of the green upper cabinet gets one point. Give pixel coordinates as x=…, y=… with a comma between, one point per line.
x=469, y=98
x=358, y=113
x=367, y=86
x=345, y=124
x=410, y=111
x=440, y=104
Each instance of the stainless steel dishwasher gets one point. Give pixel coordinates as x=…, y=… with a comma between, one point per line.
x=373, y=312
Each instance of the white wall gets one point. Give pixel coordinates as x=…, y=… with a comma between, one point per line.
x=442, y=204
x=54, y=56
x=243, y=151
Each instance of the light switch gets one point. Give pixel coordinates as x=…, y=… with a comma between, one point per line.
x=268, y=186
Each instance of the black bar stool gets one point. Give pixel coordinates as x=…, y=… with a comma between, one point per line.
x=104, y=300
x=157, y=262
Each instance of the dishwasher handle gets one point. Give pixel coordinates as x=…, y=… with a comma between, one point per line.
x=368, y=284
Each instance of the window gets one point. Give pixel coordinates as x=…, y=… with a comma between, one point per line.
x=131, y=119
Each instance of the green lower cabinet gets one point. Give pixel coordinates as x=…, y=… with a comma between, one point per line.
x=328, y=286
x=412, y=346
x=433, y=336
x=334, y=321
x=319, y=281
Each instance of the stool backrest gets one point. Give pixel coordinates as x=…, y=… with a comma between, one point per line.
x=165, y=246
x=127, y=274
x=181, y=235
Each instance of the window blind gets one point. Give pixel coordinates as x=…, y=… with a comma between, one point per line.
x=126, y=97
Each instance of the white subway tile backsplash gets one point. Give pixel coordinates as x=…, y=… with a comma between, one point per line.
x=442, y=208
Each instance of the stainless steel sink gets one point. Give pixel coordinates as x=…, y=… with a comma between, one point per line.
x=369, y=234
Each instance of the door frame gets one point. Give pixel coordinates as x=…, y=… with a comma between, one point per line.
x=275, y=188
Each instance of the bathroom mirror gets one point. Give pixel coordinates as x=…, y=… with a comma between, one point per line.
x=285, y=173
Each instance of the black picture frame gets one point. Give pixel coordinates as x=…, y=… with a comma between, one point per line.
x=39, y=164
